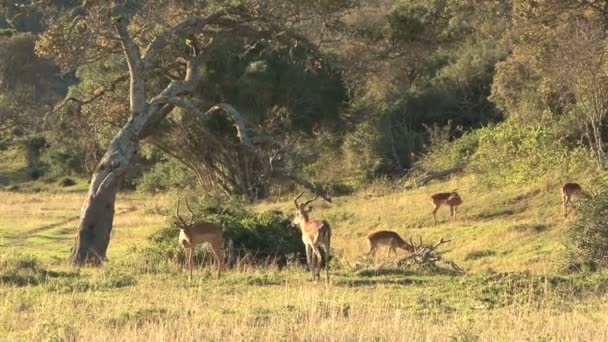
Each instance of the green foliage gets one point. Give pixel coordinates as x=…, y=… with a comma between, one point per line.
x=361, y=155
x=447, y=155
x=22, y=270
x=586, y=238
x=514, y=154
x=266, y=235
x=164, y=176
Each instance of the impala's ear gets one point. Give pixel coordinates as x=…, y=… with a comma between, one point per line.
x=309, y=208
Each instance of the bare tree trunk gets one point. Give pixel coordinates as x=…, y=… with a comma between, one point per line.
x=97, y=215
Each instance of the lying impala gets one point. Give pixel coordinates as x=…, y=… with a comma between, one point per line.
x=570, y=191
x=387, y=238
x=193, y=234
x=316, y=236
x=446, y=198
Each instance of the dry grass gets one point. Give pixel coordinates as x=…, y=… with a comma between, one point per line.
x=520, y=227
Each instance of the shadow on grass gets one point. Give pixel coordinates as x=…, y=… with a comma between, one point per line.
x=494, y=214
x=375, y=281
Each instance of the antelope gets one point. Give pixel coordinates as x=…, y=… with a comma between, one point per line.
x=448, y=198
x=569, y=192
x=193, y=234
x=387, y=238
x=316, y=236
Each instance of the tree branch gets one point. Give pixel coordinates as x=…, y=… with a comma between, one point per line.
x=237, y=118
x=180, y=30
x=303, y=182
x=137, y=93
x=101, y=91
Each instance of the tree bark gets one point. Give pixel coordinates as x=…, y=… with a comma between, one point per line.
x=97, y=215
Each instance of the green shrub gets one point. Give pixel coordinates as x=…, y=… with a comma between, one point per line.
x=449, y=155
x=163, y=176
x=516, y=154
x=360, y=153
x=586, y=238
x=21, y=270
x=267, y=235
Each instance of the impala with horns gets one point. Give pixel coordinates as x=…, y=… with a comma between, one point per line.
x=316, y=235
x=387, y=238
x=570, y=191
x=451, y=199
x=193, y=234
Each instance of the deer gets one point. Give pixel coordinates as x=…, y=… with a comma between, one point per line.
x=316, y=235
x=570, y=191
x=193, y=234
x=446, y=198
x=387, y=238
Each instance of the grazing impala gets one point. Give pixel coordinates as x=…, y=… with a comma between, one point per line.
x=316, y=236
x=195, y=234
x=569, y=192
x=387, y=238
x=448, y=198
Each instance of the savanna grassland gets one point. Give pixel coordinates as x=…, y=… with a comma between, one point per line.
x=239, y=105
x=509, y=243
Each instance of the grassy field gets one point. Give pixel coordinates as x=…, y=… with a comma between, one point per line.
x=508, y=241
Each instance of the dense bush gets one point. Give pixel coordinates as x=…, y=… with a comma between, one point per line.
x=164, y=176
x=515, y=154
x=449, y=155
x=268, y=235
x=361, y=155
x=586, y=239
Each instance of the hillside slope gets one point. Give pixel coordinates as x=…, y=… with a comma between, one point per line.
x=512, y=229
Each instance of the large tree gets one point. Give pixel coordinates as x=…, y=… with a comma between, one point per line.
x=163, y=45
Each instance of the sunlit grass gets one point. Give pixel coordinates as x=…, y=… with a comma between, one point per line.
x=506, y=230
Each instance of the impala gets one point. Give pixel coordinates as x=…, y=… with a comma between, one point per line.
x=193, y=234
x=316, y=235
x=387, y=238
x=569, y=192
x=446, y=198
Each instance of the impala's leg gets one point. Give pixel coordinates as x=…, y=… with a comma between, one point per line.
x=309, y=259
x=454, y=213
x=190, y=261
x=326, y=255
x=435, y=208
x=372, y=248
x=319, y=259
x=394, y=250
x=219, y=256
x=565, y=199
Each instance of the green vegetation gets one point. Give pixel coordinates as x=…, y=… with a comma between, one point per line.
x=378, y=103
x=268, y=237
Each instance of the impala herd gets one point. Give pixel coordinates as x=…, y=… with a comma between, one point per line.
x=316, y=234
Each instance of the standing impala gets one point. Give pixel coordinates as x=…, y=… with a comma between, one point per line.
x=316, y=236
x=197, y=233
x=569, y=192
x=446, y=198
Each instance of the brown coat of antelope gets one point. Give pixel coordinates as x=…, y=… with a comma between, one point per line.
x=446, y=198
x=570, y=191
x=316, y=235
x=387, y=238
x=193, y=234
